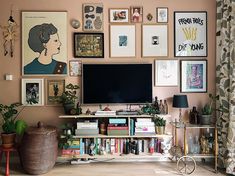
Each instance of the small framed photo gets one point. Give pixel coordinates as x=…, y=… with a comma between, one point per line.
x=193, y=76
x=55, y=88
x=190, y=34
x=75, y=68
x=166, y=72
x=136, y=14
x=154, y=40
x=122, y=40
x=162, y=15
x=93, y=17
x=89, y=45
x=32, y=92
x=120, y=15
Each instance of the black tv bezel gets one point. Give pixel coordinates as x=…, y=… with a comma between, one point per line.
x=118, y=63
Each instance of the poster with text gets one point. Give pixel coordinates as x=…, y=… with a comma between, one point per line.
x=190, y=34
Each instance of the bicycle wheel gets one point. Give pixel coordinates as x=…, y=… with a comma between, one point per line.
x=186, y=165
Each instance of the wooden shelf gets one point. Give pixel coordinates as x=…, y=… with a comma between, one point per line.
x=202, y=155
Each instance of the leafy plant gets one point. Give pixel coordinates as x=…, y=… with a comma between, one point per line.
x=66, y=139
x=208, y=108
x=159, y=121
x=10, y=122
x=69, y=96
x=149, y=109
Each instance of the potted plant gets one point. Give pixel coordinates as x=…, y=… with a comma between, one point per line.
x=11, y=125
x=207, y=110
x=69, y=97
x=160, y=124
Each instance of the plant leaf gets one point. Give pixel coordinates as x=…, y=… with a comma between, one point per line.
x=20, y=126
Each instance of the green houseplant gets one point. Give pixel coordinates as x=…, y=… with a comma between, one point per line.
x=11, y=125
x=207, y=110
x=160, y=124
x=69, y=97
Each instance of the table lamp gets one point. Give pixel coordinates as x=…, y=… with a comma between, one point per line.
x=180, y=101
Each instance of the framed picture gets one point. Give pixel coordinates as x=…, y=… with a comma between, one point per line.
x=122, y=40
x=162, y=14
x=120, y=15
x=154, y=40
x=190, y=34
x=93, y=17
x=55, y=88
x=166, y=72
x=136, y=14
x=75, y=68
x=89, y=45
x=44, y=43
x=32, y=92
x=193, y=76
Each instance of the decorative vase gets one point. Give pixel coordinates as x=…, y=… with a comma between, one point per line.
x=160, y=129
x=8, y=140
x=205, y=119
x=67, y=108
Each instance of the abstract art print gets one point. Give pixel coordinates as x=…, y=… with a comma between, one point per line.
x=32, y=93
x=55, y=88
x=75, y=68
x=122, y=41
x=190, y=34
x=44, y=43
x=89, y=45
x=193, y=76
x=162, y=14
x=93, y=17
x=119, y=15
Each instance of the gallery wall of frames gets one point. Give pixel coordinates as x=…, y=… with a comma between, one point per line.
x=52, y=44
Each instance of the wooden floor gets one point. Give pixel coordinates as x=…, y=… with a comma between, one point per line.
x=117, y=169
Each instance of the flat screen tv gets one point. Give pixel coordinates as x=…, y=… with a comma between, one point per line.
x=116, y=83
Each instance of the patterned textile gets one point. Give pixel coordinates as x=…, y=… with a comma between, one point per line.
x=225, y=82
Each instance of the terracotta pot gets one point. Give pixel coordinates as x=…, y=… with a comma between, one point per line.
x=8, y=140
x=160, y=129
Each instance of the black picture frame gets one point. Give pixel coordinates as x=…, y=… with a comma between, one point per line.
x=193, y=76
x=190, y=34
x=88, y=45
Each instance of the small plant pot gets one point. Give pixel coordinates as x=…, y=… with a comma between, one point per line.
x=68, y=108
x=8, y=140
x=205, y=119
x=160, y=129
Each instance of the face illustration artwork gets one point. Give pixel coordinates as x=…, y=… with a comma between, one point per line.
x=53, y=45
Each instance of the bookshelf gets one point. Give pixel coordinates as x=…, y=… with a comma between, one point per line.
x=116, y=151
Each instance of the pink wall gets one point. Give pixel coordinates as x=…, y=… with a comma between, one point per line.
x=10, y=91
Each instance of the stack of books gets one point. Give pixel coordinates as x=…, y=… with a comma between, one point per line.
x=73, y=148
x=87, y=128
x=117, y=126
x=144, y=126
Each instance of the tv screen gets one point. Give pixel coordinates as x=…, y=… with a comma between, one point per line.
x=117, y=83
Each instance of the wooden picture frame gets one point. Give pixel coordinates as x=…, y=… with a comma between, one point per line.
x=122, y=40
x=51, y=27
x=190, y=33
x=162, y=14
x=88, y=45
x=55, y=88
x=166, y=72
x=193, y=76
x=32, y=92
x=119, y=15
x=154, y=40
x=136, y=14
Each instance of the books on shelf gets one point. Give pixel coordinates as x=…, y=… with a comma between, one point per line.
x=86, y=132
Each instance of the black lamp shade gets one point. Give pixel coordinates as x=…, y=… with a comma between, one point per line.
x=180, y=101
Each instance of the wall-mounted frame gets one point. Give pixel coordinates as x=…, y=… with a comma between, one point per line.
x=89, y=45
x=44, y=43
x=93, y=17
x=154, y=40
x=75, y=67
x=136, y=14
x=32, y=92
x=122, y=41
x=166, y=72
x=193, y=76
x=162, y=14
x=190, y=33
x=55, y=88
x=119, y=15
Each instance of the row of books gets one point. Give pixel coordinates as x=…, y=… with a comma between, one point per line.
x=101, y=146
x=87, y=127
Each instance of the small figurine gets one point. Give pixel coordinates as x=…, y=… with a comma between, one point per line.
x=88, y=112
x=204, y=145
x=92, y=149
